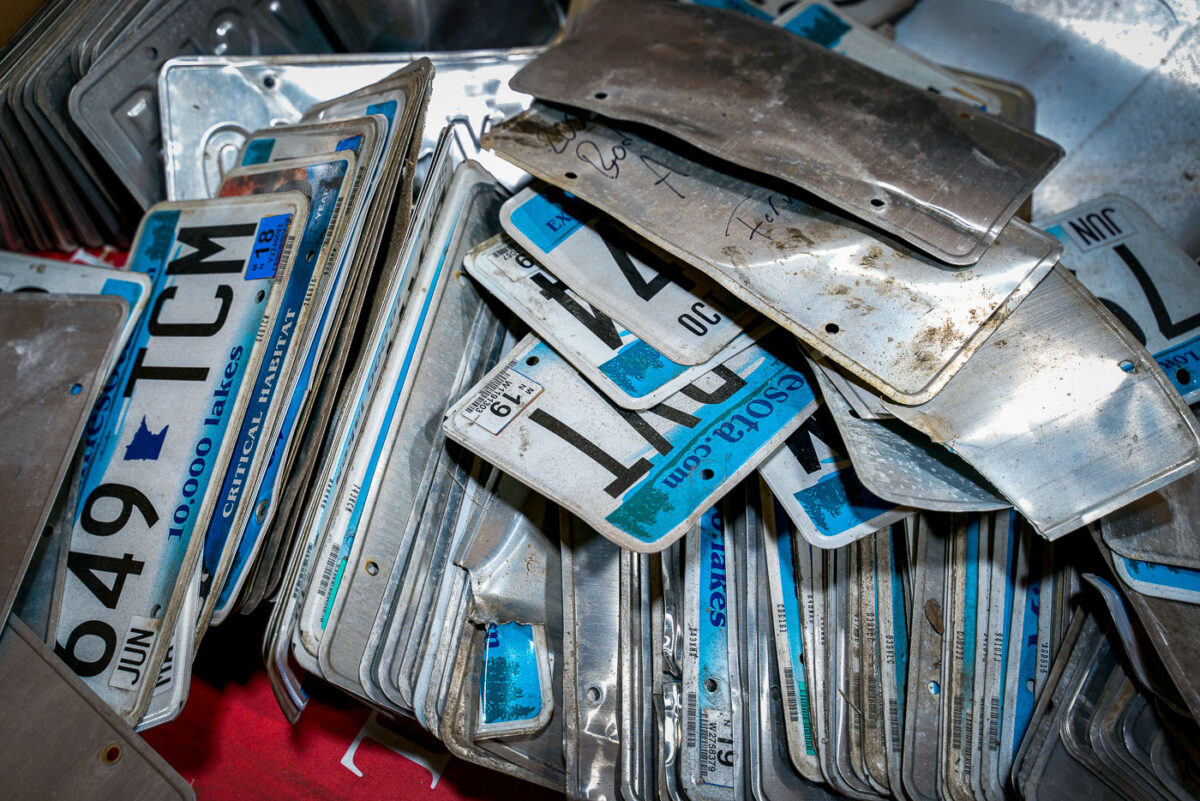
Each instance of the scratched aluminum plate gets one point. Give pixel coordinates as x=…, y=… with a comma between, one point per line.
x=1064, y=412
x=203, y=139
x=55, y=353
x=900, y=321
x=943, y=178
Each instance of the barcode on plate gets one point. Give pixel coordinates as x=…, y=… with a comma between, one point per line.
x=330, y=567
x=793, y=708
x=894, y=725
x=693, y=718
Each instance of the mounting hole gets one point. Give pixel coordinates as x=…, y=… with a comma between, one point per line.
x=532, y=360
x=934, y=689
x=774, y=691
x=593, y=695
x=152, y=52
x=706, y=474
x=111, y=754
x=877, y=202
x=259, y=297
x=1128, y=366
x=76, y=389
x=1183, y=376
x=260, y=511
x=269, y=81
x=831, y=328
x=601, y=95
x=372, y=567
x=48, y=531
x=570, y=175
x=710, y=684
x=1029, y=685
x=855, y=415
x=312, y=254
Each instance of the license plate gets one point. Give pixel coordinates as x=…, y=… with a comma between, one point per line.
x=788, y=627
x=323, y=181
x=712, y=737
x=760, y=245
x=676, y=310
x=1135, y=269
x=625, y=368
x=639, y=478
x=183, y=394
x=815, y=482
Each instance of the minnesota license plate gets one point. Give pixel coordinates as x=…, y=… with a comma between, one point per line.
x=215, y=267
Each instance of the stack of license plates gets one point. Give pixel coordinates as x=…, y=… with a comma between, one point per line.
x=641, y=445
x=80, y=132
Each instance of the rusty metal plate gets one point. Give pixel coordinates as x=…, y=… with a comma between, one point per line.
x=1063, y=411
x=61, y=741
x=55, y=352
x=916, y=164
x=902, y=322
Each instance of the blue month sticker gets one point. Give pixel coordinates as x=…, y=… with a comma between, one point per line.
x=514, y=696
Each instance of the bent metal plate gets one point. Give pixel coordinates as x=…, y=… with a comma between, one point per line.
x=639, y=478
x=900, y=321
x=216, y=266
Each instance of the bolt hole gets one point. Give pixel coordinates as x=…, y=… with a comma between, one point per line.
x=48, y=531
x=710, y=684
x=855, y=415
x=372, y=567
x=774, y=691
x=76, y=389
x=877, y=202
x=312, y=254
x=1183, y=376
x=706, y=474
x=934, y=689
x=1128, y=366
x=570, y=175
x=532, y=360
x=1029, y=685
x=831, y=328
x=260, y=511
x=594, y=695
x=112, y=754
x=601, y=95
x=269, y=81
x=152, y=52
x=259, y=297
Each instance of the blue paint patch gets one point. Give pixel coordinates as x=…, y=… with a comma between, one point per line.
x=545, y=219
x=818, y=25
x=130, y=290
x=838, y=502
x=1181, y=363
x=350, y=143
x=785, y=555
x=639, y=369
x=268, y=245
x=1171, y=576
x=258, y=151
x=509, y=685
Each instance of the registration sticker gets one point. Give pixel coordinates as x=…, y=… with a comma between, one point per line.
x=268, y=247
x=501, y=400
x=639, y=478
x=514, y=685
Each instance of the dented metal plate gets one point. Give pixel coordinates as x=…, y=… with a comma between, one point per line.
x=1160, y=527
x=203, y=138
x=904, y=466
x=918, y=165
x=900, y=321
x=1063, y=411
